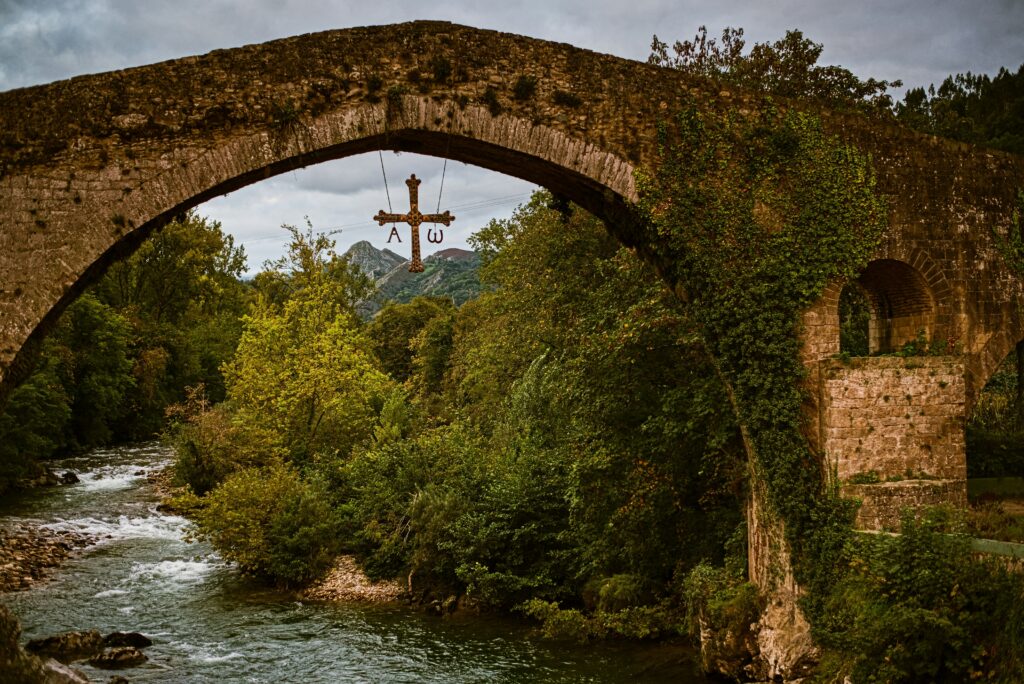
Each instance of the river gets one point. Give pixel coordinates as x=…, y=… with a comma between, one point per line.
x=209, y=624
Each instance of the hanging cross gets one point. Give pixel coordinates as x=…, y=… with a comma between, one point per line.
x=414, y=218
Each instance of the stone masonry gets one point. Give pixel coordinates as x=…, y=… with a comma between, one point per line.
x=892, y=433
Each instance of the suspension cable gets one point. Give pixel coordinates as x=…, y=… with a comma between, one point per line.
x=447, y=151
x=443, y=170
x=386, y=191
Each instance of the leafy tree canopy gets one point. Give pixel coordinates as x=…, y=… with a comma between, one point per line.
x=787, y=67
x=972, y=108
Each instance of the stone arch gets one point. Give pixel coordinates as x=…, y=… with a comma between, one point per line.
x=908, y=280
x=983, y=365
x=104, y=230
x=902, y=304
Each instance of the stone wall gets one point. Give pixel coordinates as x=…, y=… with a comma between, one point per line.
x=892, y=432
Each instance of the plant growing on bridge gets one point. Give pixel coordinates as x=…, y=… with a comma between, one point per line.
x=755, y=215
x=524, y=87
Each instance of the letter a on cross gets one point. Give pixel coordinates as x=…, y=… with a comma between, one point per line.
x=414, y=218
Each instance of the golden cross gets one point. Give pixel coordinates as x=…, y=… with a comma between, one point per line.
x=414, y=218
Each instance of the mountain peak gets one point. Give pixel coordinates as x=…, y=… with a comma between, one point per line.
x=372, y=261
x=449, y=272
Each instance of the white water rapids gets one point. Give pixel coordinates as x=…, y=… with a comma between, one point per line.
x=209, y=624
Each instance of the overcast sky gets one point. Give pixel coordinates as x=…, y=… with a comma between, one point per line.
x=918, y=41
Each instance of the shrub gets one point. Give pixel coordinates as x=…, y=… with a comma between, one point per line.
x=920, y=607
x=301, y=537
x=271, y=523
x=572, y=624
x=718, y=599
x=382, y=490
x=213, y=442
x=619, y=592
x=557, y=623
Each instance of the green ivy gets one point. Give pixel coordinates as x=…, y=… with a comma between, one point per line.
x=756, y=213
x=1011, y=245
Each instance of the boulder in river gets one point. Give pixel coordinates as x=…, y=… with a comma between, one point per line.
x=68, y=646
x=47, y=478
x=59, y=673
x=18, y=666
x=69, y=478
x=133, y=639
x=119, y=657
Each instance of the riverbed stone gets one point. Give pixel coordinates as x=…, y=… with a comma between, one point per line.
x=68, y=646
x=133, y=639
x=56, y=672
x=347, y=582
x=28, y=552
x=119, y=657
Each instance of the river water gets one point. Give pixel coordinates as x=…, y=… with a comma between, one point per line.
x=210, y=625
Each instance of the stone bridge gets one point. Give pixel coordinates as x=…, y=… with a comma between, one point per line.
x=91, y=166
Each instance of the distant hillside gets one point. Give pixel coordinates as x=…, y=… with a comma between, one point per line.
x=448, y=273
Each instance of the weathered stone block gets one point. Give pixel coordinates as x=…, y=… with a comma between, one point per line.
x=883, y=504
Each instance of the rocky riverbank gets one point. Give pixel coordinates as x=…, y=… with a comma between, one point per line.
x=29, y=553
x=346, y=582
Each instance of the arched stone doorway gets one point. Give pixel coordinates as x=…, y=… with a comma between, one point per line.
x=888, y=306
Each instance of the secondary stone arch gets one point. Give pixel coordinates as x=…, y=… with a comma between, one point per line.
x=986, y=362
x=904, y=286
x=105, y=230
x=902, y=304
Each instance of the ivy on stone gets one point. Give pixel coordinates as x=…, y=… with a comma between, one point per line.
x=756, y=213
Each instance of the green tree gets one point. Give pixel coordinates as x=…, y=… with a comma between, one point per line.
x=212, y=442
x=973, y=108
x=93, y=340
x=312, y=264
x=585, y=442
x=76, y=394
x=303, y=367
x=396, y=326
x=787, y=67
x=309, y=378
x=32, y=425
x=188, y=268
x=162, y=319
x=182, y=293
